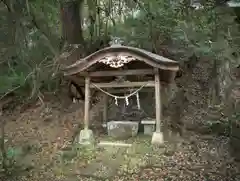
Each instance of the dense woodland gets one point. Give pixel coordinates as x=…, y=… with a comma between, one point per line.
x=35, y=35
x=38, y=36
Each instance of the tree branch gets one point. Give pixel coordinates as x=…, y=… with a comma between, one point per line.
x=35, y=23
x=7, y=5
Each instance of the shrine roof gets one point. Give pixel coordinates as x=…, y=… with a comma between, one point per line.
x=149, y=58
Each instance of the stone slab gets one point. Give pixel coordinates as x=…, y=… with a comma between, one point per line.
x=149, y=129
x=148, y=121
x=122, y=129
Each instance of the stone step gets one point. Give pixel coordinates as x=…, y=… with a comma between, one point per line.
x=108, y=143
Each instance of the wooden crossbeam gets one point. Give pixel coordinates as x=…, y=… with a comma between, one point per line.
x=118, y=73
x=123, y=84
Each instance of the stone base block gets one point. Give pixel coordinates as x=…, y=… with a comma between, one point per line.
x=149, y=126
x=86, y=137
x=157, y=138
x=149, y=129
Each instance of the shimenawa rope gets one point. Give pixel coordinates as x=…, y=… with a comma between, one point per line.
x=123, y=97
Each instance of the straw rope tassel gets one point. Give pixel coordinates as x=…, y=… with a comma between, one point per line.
x=123, y=97
x=116, y=101
x=126, y=100
x=138, y=101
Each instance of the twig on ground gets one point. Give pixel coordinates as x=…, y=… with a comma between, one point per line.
x=10, y=91
x=40, y=95
x=15, y=88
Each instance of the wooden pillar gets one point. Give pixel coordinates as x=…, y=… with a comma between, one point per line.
x=87, y=103
x=105, y=108
x=158, y=101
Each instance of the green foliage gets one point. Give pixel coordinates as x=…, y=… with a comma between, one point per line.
x=33, y=36
x=150, y=25
x=79, y=152
x=16, y=159
x=27, y=57
x=10, y=161
x=236, y=117
x=211, y=32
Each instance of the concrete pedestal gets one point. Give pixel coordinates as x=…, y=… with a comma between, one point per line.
x=86, y=137
x=149, y=126
x=157, y=138
x=149, y=129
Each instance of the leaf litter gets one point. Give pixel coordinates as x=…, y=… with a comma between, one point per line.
x=194, y=157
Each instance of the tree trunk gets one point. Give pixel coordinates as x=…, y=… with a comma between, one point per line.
x=71, y=22
x=92, y=7
x=72, y=34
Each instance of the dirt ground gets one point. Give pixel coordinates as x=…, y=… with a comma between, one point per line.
x=38, y=138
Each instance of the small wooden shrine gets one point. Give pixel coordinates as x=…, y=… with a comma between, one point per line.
x=115, y=68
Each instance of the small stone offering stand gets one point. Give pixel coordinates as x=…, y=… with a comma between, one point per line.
x=115, y=68
x=149, y=126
